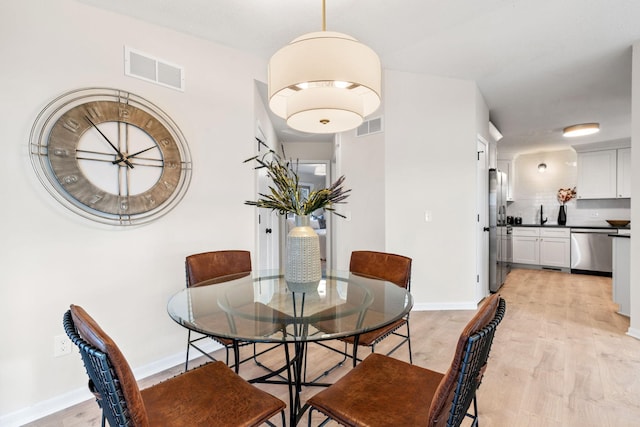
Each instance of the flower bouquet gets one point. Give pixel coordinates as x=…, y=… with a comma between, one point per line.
x=564, y=195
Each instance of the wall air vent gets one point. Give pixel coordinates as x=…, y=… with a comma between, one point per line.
x=144, y=66
x=370, y=126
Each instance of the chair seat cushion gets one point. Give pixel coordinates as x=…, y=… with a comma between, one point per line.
x=351, y=401
x=350, y=322
x=216, y=396
x=238, y=323
x=371, y=337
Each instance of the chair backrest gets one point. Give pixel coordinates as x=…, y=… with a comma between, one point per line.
x=109, y=372
x=380, y=265
x=218, y=266
x=457, y=389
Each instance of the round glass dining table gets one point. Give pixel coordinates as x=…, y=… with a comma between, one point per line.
x=263, y=307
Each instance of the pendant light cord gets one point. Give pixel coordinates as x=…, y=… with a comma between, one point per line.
x=324, y=16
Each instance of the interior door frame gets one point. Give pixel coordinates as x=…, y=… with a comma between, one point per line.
x=482, y=208
x=267, y=255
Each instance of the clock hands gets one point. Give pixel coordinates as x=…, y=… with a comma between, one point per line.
x=122, y=158
x=127, y=157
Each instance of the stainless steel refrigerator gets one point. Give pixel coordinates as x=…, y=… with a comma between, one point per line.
x=500, y=244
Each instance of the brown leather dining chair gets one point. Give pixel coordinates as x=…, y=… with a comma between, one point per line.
x=383, y=391
x=208, y=268
x=210, y=395
x=377, y=265
x=211, y=268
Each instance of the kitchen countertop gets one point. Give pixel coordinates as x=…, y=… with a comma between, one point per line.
x=573, y=226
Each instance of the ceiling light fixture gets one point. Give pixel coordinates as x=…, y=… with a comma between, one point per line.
x=542, y=167
x=581, y=130
x=324, y=82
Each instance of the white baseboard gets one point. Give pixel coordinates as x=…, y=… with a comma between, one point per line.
x=82, y=394
x=633, y=332
x=445, y=306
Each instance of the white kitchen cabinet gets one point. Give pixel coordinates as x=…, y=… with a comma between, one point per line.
x=506, y=166
x=526, y=250
x=555, y=252
x=604, y=174
x=623, y=181
x=526, y=245
x=549, y=247
x=597, y=174
x=621, y=274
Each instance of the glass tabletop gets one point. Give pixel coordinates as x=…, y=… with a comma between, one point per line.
x=262, y=307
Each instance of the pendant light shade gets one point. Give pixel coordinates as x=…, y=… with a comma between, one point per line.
x=324, y=82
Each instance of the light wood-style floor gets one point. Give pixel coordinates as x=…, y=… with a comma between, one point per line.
x=560, y=358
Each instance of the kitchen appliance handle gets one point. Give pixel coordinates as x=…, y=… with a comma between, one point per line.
x=594, y=230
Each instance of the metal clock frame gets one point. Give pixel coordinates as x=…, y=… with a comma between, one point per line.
x=54, y=155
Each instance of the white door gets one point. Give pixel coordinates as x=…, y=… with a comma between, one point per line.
x=482, y=225
x=268, y=224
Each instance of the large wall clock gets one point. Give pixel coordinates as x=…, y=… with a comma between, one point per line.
x=110, y=156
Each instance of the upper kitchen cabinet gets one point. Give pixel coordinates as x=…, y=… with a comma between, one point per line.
x=604, y=174
x=597, y=175
x=624, y=173
x=506, y=166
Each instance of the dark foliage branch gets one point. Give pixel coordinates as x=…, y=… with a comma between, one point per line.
x=285, y=196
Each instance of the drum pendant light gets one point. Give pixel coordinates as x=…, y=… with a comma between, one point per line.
x=324, y=82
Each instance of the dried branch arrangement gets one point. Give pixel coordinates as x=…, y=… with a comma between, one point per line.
x=285, y=196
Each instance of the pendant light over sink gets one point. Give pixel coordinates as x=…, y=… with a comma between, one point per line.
x=324, y=82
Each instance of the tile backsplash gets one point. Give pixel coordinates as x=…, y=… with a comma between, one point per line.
x=579, y=212
x=532, y=189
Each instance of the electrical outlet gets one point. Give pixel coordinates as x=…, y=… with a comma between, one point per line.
x=61, y=345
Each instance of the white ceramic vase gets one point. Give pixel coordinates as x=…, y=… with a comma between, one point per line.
x=302, y=270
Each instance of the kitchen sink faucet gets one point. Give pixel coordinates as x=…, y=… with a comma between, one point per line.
x=542, y=219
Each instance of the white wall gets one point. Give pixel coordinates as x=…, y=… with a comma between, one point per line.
x=361, y=160
x=634, y=328
x=51, y=257
x=309, y=150
x=430, y=165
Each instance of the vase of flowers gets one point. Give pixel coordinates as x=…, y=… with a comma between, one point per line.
x=564, y=195
x=302, y=265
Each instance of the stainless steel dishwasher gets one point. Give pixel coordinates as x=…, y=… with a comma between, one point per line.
x=591, y=250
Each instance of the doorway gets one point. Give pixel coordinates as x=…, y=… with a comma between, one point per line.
x=268, y=221
x=482, y=225
x=314, y=175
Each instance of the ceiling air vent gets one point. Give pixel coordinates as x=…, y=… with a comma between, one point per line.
x=146, y=67
x=370, y=126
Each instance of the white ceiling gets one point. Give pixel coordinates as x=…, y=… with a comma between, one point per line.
x=540, y=64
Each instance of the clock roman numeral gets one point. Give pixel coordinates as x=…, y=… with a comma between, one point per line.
x=96, y=198
x=70, y=179
x=94, y=112
x=71, y=125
